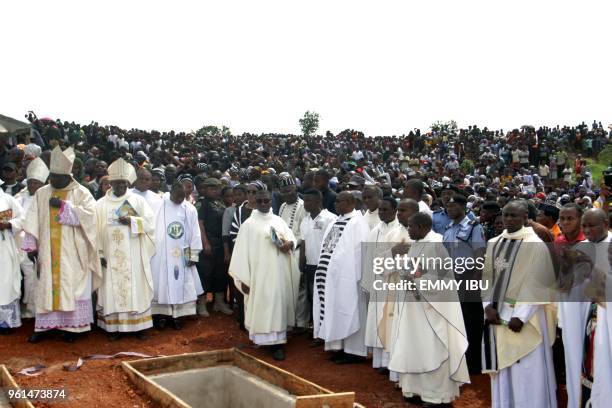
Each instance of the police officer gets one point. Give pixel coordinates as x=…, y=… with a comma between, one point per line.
x=464, y=238
x=440, y=217
x=211, y=267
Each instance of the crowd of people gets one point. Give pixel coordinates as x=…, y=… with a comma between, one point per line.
x=132, y=229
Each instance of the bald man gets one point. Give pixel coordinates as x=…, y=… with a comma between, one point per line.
x=520, y=319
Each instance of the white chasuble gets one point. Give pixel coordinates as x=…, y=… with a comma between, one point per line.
x=127, y=284
x=270, y=274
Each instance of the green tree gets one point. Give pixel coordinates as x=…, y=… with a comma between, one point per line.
x=309, y=123
x=208, y=131
x=444, y=127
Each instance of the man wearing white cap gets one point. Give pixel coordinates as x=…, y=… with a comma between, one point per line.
x=60, y=228
x=126, y=229
x=37, y=174
x=10, y=278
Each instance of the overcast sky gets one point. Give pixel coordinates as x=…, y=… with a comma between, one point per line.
x=382, y=67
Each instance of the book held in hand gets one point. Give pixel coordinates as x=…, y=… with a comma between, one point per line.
x=126, y=210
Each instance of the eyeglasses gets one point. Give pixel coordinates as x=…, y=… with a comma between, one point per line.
x=263, y=200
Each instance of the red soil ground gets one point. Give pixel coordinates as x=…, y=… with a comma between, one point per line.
x=102, y=383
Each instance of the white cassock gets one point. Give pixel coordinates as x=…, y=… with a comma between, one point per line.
x=293, y=214
x=66, y=240
x=573, y=315
x=372, y=218
x=520, y=364
x=10, y=277
x=340, y=304
x=124, y=298
x=271, y=276
x=376, y=247
x=177, y=237
x=601, y=394
x=389, y=324
x=429, y=352
x=28, y=306
x=154, y=200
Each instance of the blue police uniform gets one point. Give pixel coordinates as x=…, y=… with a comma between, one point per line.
x=441, y=220
x=461, y=240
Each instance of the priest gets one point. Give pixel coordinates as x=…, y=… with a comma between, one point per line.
x=125, y=239
x=520, y=319
x=10, y=278
x=61, y=236
x=37, y=173
x=376, y=247
x=430, y=349
x=399, y=242
x=292, y=212
x=178, y=243
x=263, y=270
x=142, y=187
x=340, y=304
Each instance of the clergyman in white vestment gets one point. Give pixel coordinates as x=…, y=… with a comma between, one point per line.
x=10, y=278
x=61, y=235
x=264, y=272
x=178, y=243
x=125, y=237
x=340, y=303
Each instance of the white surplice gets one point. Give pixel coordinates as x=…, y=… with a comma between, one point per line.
x=174, y=283
x=601, y=394
x=28, y=304
x=573, y=314
x=522, y=372
x=10, y=277
x=270, y=275
x=372, y=218
x=340, y=304
x=376, y=247
x=429, y=352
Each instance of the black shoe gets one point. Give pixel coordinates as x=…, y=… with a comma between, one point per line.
x=279, y=354
x=176, y=324
x=36, y=337
x=383, y=370
x=159, y=323
x=432, y=405
x=69, y=337
x=416, y=400
x=316, y=343
x=141, y=335
x=6, y=331
x=114, y=336
x=298, y=331
x=336, y=355
x=351, y=359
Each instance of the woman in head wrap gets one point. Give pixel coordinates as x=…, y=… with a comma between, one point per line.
x=187, y=181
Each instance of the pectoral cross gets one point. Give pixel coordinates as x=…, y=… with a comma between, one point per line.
x=501, y=263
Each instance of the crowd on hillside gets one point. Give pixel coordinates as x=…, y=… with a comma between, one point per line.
x=140, y=228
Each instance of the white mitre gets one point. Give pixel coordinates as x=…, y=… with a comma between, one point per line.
x=121, y=170
x=61, y=162
x=37, y=170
